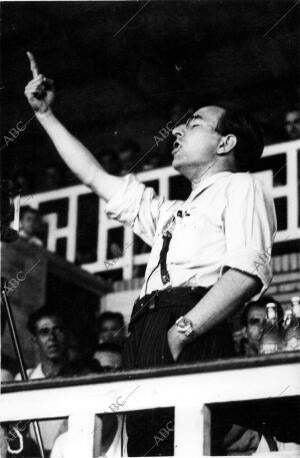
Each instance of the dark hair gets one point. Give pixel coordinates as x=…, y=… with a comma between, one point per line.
x=109, y=346
x=250, y=139
x=262, y=302
x=115, y=316
x=40, y=313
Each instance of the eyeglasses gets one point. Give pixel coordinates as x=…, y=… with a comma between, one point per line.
x=46, y=332
x=199, y=122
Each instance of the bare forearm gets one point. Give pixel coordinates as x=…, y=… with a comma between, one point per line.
x=231, y=290
x=78, y=158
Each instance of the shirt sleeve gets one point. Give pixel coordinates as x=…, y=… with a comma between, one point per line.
x=136, y=206
x=250, y=228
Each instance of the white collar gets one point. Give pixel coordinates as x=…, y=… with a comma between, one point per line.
x=206, y=182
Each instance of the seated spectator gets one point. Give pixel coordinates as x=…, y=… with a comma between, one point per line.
x=248, y=339
x=292, y=124
x=128, y=157
x=109, y=356
x=50, y=337
x=110, y=326
x=30, y=225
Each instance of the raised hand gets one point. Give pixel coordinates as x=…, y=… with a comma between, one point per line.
x=40, y=90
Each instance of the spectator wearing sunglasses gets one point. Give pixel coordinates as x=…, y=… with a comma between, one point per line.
x=50, y=337
x=253, y=318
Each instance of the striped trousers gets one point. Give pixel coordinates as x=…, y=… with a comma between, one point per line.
x=147, y=346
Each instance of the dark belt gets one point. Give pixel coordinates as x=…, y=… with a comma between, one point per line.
x=164, y=298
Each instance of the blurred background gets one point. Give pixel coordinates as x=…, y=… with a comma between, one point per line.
x=117, y=81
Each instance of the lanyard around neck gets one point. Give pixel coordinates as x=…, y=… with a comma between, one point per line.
x=167, y=236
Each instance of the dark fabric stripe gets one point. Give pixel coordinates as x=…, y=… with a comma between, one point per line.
x=147, y=346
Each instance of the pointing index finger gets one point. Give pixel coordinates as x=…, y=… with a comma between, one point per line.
x=33, y=65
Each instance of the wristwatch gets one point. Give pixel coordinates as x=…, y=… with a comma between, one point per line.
x=184, y=325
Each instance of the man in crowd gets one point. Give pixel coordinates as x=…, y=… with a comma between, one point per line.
x=205, y=251
x=30, y=225
x=50, y=338
x=292, y=124
x=111, y=328
x=253, y=319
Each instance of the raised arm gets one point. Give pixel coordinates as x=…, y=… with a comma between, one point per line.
x=40, y=94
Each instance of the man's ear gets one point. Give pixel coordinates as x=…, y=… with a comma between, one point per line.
x=226, y=145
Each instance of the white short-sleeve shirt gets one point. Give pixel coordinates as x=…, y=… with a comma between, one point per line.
x=49, y=428
x=228, y=221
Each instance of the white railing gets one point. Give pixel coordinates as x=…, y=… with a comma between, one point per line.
x=191, y=389
x=128, y=260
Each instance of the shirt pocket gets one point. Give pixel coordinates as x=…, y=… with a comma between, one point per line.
x=191, y=239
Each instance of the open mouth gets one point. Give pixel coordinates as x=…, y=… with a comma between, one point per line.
x=176, y=147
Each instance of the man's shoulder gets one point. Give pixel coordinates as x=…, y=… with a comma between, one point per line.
x=247, y=182
x=242, y=179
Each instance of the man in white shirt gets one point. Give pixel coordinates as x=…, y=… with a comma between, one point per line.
x=209, y=254
x=50, y=338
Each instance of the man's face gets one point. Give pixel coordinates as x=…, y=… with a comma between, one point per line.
x=109, y=359
x=111, y=331
x=197, y=140
x=292, y=125
x=51, y=339
x=255, y=324
x=30, y=223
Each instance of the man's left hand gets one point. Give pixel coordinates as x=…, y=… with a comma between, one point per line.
x=176, y=341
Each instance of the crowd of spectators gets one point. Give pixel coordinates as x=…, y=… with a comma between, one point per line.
x=51, y=338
